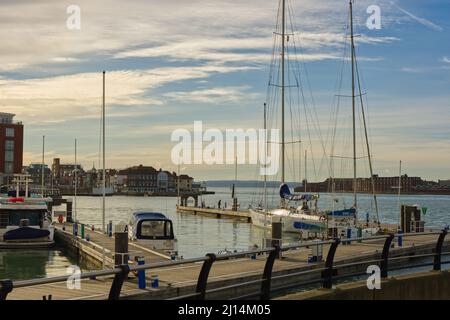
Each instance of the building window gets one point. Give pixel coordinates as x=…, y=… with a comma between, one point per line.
x=9, y=167
x=9, y=153
x=9, y=132
x=9, y=145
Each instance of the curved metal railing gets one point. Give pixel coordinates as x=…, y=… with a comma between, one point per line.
x=328, y=272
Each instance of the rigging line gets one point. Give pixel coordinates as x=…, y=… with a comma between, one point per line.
x=316, y=127
x=288, y=56
x=335, y=113
x=368, y=148
x=100, y=138
x=306, y=120
x=317, y=123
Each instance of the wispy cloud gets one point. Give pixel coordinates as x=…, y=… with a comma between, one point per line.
x=78, y=95
x=422, y=21
x=214, y=95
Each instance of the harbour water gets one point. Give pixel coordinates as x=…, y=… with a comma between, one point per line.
x=198, y=235
x=30, y=264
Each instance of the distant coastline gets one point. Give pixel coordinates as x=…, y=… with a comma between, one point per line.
x=275, y=184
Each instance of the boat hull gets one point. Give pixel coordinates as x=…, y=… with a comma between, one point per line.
x=26, y=234
x=301, y=225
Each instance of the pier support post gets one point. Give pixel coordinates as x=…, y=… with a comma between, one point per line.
x=267, y=275
x=277, y=235
x=385, y=256
x=116, y=287
x=329, y=272
x=6, y=287
x=120, y=248
x=69, y=211
x=203, y=276
x=438, y=251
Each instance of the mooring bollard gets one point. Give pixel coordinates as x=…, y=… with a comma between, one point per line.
x=359, y=234
x=349, y=235
x=400, y=238
x=69, y=210
x=121, y=248
x=155, y=281
x=141, y=274
x=110, y=227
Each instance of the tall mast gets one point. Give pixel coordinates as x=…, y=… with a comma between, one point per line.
x=283, y=32
x=76, y=183
x=399, y=192
x=353, y=103
x=42, y=166
x=306, y=168
x=103, y=166
x=265, y=158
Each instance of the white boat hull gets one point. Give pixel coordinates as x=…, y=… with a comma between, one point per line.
x=294, y=223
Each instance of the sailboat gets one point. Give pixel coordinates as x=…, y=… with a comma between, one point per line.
x=301, y=219
x=307, y=219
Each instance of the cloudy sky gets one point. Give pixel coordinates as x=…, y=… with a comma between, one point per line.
x=170, y=63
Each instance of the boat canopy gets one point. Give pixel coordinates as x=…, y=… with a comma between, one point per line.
x=285, y=193
x=151, y=225
x=149, y=216
x=343, y=213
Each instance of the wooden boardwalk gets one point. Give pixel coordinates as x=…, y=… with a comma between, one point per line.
x=101, y=246
x=173, y=280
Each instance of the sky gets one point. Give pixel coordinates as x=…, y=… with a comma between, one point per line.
x=170, y=63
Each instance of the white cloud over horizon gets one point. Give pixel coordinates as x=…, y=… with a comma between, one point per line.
x=166, y=60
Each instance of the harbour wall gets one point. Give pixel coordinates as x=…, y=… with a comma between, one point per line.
x=429, y=285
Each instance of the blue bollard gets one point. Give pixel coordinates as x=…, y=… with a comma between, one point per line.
x=349, y=234
x=88, y=238
x=75, y=229
x=155, y=281
x=400, y=238
x=141, y=275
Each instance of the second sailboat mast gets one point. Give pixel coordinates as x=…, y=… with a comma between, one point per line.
x=283, y=31
x=353, y=104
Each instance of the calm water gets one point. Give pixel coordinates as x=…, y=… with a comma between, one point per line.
x=198, y=235
x=29, y=264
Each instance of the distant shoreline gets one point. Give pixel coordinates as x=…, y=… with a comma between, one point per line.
x=212, y=192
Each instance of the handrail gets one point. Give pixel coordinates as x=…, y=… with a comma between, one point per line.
x=328, y=272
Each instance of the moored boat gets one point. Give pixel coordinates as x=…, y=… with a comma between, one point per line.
x=153, y=228
x=25, y=222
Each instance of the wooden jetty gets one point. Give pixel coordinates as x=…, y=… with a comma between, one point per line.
x=243, y=215
x=99, y=250
x=182, y=279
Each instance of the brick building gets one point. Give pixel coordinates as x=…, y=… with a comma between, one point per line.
x=11, y=146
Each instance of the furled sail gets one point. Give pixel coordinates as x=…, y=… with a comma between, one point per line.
x=285, y=193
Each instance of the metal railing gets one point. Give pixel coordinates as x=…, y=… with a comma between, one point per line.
x=328, y=273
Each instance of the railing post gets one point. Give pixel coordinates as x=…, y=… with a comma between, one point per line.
x=119, y=278
x=203, y=276
x=6, y=287
x=327, y=274
x=267, y=275
x=385, y=256
x=437, y=257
